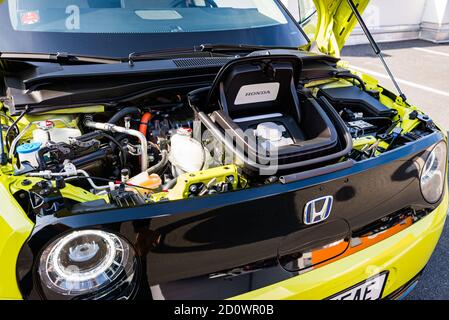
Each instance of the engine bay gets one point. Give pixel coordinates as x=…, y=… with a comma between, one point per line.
x=257, y=124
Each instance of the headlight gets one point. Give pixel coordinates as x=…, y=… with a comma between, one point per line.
x=433, y=175
x=88, y=264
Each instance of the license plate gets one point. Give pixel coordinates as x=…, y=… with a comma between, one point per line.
x=370, y=289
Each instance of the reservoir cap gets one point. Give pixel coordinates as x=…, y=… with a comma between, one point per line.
x=29, y=147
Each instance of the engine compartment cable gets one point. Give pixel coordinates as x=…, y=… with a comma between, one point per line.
x=117, y=182
x=14, y=124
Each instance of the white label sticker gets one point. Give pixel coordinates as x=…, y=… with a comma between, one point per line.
x=254, y=93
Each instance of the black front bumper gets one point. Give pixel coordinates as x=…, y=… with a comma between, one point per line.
x=183, y=243
x=405, y=290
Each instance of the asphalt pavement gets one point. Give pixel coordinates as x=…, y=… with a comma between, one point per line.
x=422, y=71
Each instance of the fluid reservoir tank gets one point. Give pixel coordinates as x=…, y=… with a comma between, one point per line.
x=187, y=154
x=28, y=152
x=148, y=181
x=48, y=132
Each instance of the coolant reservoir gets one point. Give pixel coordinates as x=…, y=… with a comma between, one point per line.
x=28, y=152
x=187, y=154
x=147, y=181
x=47, y=132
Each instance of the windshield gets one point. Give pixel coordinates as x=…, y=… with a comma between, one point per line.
x=116, y=28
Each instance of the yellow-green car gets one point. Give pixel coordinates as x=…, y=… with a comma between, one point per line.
x=198, y=150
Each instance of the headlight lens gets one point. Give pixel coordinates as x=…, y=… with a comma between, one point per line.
x=89, y=263
x=434, y=174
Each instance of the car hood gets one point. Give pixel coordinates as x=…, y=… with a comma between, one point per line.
x=335, y=24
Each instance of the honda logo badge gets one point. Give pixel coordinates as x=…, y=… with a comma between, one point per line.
x=318, y=210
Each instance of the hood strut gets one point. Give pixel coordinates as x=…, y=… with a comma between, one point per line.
x=376, y=48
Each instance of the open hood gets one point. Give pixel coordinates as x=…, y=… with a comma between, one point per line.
x=335, y=24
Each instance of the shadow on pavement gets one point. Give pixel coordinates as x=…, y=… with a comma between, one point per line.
x=365, y=50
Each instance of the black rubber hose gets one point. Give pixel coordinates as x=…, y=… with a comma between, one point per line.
x=119, y=146
x=3, y=154
x=9, y=119
x=114, y=142
x=123, y=113
x=14, y=124
x=348, y=75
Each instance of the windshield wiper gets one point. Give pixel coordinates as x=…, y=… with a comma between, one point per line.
x=175, y=53
x=239, y=48
x=203, y=50
x=59, y=57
